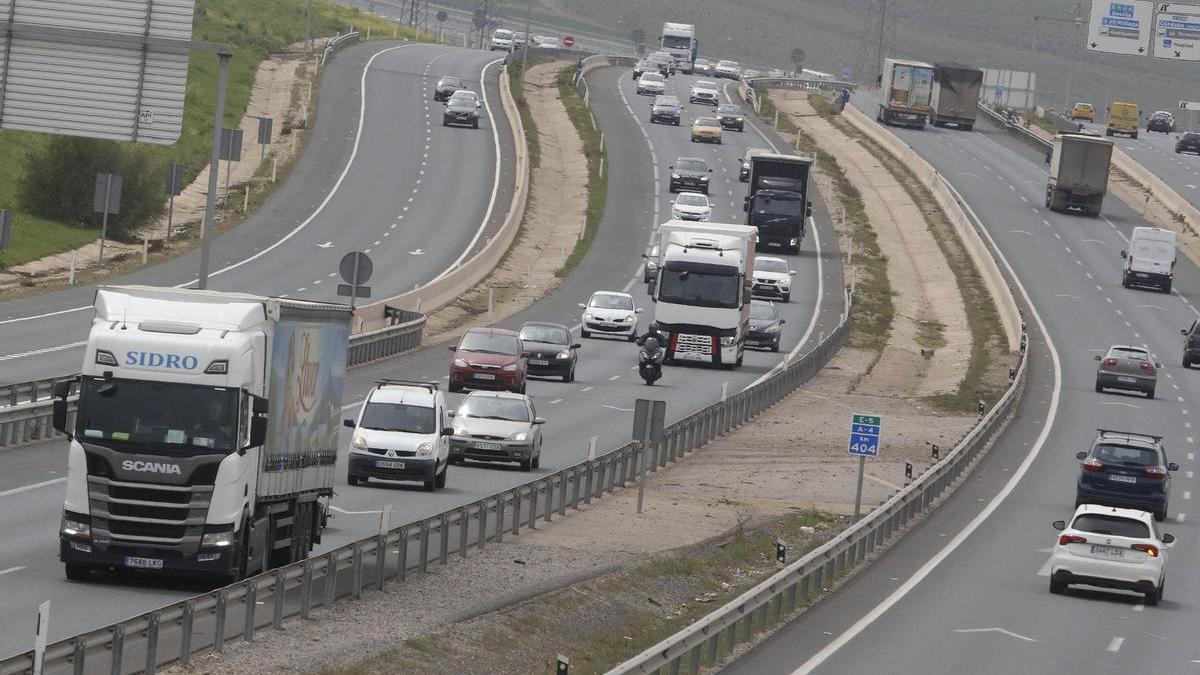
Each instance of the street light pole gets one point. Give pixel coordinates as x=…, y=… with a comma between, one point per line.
x=308, y=28
x=525, y=46
x=214, y=169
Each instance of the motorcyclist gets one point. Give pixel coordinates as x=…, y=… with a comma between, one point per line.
x=653, y=332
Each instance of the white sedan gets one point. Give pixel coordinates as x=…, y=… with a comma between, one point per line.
x=651, y=83
x=705, y=91
x=1110, y=548
x=610, y=313
x=729, y=69
x=691, y=206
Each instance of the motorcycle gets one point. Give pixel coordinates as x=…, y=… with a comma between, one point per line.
x=650, y=360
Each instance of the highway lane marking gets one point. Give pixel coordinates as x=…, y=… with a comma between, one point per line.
x=32, y=486
x=1128, y=405
x=613, y=378
x=587, y=389
x=994, y=630
x=43, y=350
x=1180, y=517
x=1139, y=607
x=613, y=407
x=1116, y=643
x=1020, y=232
x=344, y=512
x=556, y=401
x=10, y=570
x=1187, y=495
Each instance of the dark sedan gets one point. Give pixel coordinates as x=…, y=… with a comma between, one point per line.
x=689, y=173
x=731, y=116
x=552, y=352
x=1189, y=142
x=462, y=108
x=447, y=86
x=1161, y=121
x=766, y=326
x=665, y=109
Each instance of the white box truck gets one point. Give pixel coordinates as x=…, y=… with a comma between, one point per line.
x=1079, y=165
x=679, y=40
x=702, y=291
x=905, y=88
x=206, y=433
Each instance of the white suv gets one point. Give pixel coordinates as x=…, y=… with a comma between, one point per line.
x=401, y=433
x=772, y=278
x=1110, y=548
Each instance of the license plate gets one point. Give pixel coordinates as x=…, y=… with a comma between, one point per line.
x=538, y=362
x=1110, y=551
x=1126, y=379
x=143, y=563
x=1120, y=478
x=387, y=464
x=484, y=376
x=479, y=445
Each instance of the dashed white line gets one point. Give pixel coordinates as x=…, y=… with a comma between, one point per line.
x=1116, y=643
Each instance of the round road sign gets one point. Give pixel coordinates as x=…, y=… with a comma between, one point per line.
x=568, y=41
x=346, y=267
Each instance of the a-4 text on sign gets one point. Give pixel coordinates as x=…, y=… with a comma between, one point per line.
x=1122, y=27
x=1177, y=32
x=864, y=435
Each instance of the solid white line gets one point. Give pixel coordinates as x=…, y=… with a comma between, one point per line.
x=33, y=486
x=44, y=350
x=44, y=316
x=18, y=568
x=353, y=513
x=920, y=575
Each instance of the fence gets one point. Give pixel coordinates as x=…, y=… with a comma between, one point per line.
x=173, y=633
x=337, y=43
x=813, y=84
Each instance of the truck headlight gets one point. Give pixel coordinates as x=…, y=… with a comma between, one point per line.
x=425, y=449
x=360, y=442
x=728, y=341
x=510, y=368
x=519, y=436
x=222, y=539
x=76, y=528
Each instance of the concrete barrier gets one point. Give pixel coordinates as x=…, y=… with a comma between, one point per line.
x=966, y=223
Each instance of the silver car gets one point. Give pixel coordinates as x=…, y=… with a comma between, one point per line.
x=497, y=426
x=1127, y=367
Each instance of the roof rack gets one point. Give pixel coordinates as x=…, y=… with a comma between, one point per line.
x=431, y=386
x=1129, y=434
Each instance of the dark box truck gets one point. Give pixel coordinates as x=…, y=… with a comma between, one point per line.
x=778, y=204
x=955, y=97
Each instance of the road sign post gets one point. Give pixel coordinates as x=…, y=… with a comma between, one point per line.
x=648, y=420
x=1120, y=27
x=864, y=443
x=105, y=200
x=5, y=229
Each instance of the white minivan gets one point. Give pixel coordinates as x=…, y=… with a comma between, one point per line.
x=502, y=39
x=401, y=433
x=1150, y=260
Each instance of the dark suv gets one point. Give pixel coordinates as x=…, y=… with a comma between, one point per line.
x=1191, y=344
x=447, y=86
x=1126, y=470
x=665, y=109
x=731, y=116
x=462, y=108
x=1189, y=142
x=689, y=173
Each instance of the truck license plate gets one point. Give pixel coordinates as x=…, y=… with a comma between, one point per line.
x=692, y=356
x=385, y=464
x=484, y=376
x=143, y=563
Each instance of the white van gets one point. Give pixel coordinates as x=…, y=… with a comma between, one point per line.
x=1150, y=260
x=502, y=39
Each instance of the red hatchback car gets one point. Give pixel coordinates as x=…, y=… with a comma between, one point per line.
x=488, y=358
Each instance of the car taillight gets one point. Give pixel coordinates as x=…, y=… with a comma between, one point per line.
x=1109, y=362
x=1148, y=367
x=1093, y=464
x=1156, y=471
x=1071, y=539
x=1149, y=549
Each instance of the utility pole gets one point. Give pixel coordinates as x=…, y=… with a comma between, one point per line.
x=882, y=24
x=1075, y=21
x=308, y=28
x=525, y=46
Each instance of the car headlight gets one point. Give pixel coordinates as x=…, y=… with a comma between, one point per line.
x=745, y=165
x=360, y=442
x=461, y=432
x=675, y=176
x=425, y=449
x=704, y=178
x=773, y=328
x=628, y=319
x=460, y=363
x=519, y=436
x=728, y=341
x=510, y=368
x=222, y=539
x=588, y=317
x=564, y=354
x=73, y=527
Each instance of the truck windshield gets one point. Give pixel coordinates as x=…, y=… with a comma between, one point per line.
x=768, y=206
x=684, y=285
x=676, y=42
x=158, y=417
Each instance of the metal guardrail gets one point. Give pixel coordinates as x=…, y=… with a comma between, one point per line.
x=27, y=392
x=814, y=84
x=173, y=633
x=1018, y=129
x=337, y=43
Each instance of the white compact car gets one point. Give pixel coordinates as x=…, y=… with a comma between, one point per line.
x=1110, y=548
x=651, y=83
x=729, y=69
x=772, y=278
x=705, y=91
x=610, y=313
x=401, y=434
x=691, y=206
x=502, y=39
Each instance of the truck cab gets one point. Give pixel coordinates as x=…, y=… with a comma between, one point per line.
x=679, y=40
x=777, y=204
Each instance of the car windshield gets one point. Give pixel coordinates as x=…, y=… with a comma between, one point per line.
x=659, y=57
x=729, y=110
x=685, y=285
x=503, y=34
x=413, y=419
x=1126, y=455
x=708, y=122
x=609, y=301
x=652, y=77
x=451, y=82
x=489, y=343
x=462, y=98
x=1136, y=354
x=164, y=418
x=705, y=84
x=494, y=408
x=1116, y=526
x=1191, y=137
x=703, y=62
x=768, y=265
x=692, y=199
x=727, y=64
x=697, y=165
x=554, y=335
x=763, y=311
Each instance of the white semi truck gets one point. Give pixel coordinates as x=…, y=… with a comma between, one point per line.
x=206, y=433
x=702, y=290
x=679, y=40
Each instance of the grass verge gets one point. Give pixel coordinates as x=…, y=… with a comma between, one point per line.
x=581, y=117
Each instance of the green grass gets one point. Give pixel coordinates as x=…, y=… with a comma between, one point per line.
x=34, y=238
x=581, y=117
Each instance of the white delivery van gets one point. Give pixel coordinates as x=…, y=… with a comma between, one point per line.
x=1150, y=260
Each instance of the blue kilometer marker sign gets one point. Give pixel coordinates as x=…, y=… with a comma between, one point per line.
x=864, y=435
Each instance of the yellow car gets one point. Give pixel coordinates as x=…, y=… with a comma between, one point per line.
x=706, y=129
x=1083, y=111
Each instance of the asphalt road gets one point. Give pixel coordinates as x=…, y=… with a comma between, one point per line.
x=380, y=175
x=967, y=590
x=598, y=404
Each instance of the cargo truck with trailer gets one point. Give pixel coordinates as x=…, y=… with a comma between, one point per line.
x=777, y=204
x=206, y=432
x=905, y=89
x=702, y=290
x=954, y=97
x=679, y=40
x=1079, y=165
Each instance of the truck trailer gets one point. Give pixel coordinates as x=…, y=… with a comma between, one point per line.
x=206, y=433
x=778, y=205
x=954, y=98
x=1078, y=179
x=905, y=88
x=702, y=291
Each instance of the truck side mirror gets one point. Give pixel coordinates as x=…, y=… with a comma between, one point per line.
x=349, y=424
x=258, y=432
x=746, y=204
x=1048, y=157
x=651, y=290
x=260, y=405
x=808, y=210
x=61, y=389
x=746, y=296
x=59, y=416
x=1124, y=255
